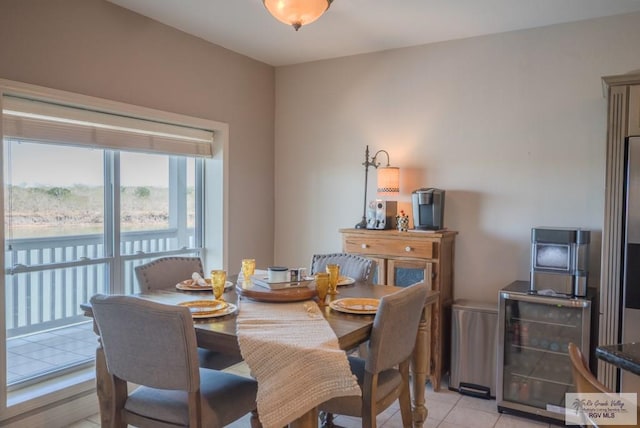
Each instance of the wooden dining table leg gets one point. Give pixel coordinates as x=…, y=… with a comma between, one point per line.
x=420, y=368
x=308, y=420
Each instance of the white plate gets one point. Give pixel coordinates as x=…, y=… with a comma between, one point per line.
x=227, y=311
x=355, y=305
x=188, y=285
x=209, y=308
x=345, y=280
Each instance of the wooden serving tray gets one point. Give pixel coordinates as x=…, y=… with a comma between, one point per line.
x=256, y=292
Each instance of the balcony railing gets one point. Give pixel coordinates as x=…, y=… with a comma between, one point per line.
x=47, y=278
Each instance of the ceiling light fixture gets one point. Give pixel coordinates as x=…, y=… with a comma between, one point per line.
x=297, y=12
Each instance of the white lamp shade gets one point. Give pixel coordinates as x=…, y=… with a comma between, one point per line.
x=296, y=12
x=388, y=180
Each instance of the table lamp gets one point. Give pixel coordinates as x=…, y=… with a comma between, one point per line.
x=388, y=181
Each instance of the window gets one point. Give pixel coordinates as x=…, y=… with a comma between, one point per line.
x=89, y=195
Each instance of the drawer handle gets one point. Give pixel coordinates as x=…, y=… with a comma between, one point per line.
x=363, y=246
x=408, y=249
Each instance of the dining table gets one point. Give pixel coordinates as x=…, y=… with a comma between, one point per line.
x=219, y=334
x=623, y=355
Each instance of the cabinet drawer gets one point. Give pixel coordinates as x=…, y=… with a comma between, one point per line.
x=389, y=247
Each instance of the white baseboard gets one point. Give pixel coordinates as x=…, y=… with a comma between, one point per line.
x=57, y=416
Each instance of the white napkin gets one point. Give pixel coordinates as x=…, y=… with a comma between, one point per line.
x=198, y=279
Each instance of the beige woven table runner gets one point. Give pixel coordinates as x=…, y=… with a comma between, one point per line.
x=294, y=355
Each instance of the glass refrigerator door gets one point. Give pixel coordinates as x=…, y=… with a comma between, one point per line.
x=536, y=334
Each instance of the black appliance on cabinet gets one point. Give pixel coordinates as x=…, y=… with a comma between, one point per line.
x=428, y=209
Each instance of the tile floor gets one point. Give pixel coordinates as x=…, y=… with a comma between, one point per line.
x=447, y=409
x=32, y=355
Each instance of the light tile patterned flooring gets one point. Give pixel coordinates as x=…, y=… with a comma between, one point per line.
x=447, y=409
x=32, y=355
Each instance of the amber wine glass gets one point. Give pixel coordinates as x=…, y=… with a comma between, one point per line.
x=248, y=268
x=334, y=273
x=218, y=280
x=322, y=286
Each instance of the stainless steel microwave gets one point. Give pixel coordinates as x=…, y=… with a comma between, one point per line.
x=560, y=260
x=554, y=257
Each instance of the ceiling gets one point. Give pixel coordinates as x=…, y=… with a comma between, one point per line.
x=352, y=27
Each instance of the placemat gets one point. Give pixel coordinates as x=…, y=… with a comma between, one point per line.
x=294, y=355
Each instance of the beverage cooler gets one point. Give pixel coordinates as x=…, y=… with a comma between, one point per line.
x=534, y=370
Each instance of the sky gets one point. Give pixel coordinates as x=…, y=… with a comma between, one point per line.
x=63, y=166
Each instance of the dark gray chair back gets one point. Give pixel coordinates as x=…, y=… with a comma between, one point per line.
x=395, y=328
x=166, y=272
x=357, y=267
x=383, y=374
x=148, y=343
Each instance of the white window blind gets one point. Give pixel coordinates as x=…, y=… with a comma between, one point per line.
x=48, y=122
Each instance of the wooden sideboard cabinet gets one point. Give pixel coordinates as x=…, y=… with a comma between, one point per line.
x=407, y=257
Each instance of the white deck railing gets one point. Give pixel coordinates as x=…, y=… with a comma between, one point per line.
x=46, y=279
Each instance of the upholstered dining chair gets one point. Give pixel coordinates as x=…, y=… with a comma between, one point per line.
x=165, y=273
x=351, y=265
x=584, y=379
x=384, y=374
x=357, y=267
x=154, y=345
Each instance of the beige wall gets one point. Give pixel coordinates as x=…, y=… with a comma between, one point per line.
x=95, y=48
x=512, y=126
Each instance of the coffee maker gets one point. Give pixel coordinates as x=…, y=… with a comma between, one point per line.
x=428, y=209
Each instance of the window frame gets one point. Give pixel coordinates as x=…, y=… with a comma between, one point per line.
x=214, y=223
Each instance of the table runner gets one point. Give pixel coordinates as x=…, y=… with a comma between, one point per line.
x=294, y=355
